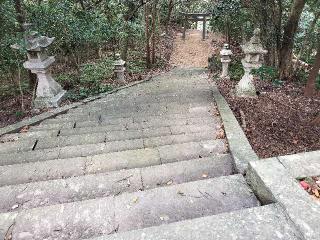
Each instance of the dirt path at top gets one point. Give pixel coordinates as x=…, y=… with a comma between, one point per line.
x=193, y=52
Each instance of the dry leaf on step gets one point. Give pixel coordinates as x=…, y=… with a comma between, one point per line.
x=170, y=182
x=135, y=200
x=24, y=129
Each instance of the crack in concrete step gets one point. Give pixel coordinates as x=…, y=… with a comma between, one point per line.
x=63, y=168
x=131, y=211
x=44, y=193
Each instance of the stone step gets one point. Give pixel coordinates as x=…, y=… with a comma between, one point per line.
x=166, y=134
x=40, y=167
x=143, y=103
x=94, y=127
x=91, y=127
x=191, y=97
x=17, y=146
x=126, y=118
x=81, y=147
x=131, y=211
x=128, y=115
x=64, y=168
x=186, y=96
x=258, y=223
x=45, y=193
x=127, y=121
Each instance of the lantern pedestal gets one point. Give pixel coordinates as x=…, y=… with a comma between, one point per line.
x=49, y=92
x=245, y=87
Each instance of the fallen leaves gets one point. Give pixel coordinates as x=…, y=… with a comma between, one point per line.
x=312, y=186
x=204, y=175
x=25, y=129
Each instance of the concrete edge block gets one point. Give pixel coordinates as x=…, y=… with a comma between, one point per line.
x=239, y=145
x=273, y=183
x=301, y=165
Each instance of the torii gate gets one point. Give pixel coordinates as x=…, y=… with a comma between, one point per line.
x=195, y=17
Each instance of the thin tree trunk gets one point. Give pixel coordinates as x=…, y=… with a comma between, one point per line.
x=20, y=16
x=154, y=26
x=285, y=63
x=125, y=48
x=147, y=33
x=310, y=89
x=170, y=9
x=278, y=27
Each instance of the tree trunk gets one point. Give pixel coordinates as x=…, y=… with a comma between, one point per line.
x=154, y=28
x=19, y=15
x=147, y=33
x=125, y=48
x=170, y=9
x=285, y=61
x=278, y=27
x=310, y=89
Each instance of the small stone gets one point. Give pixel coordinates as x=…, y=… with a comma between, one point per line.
x=164, y=218
x=170, y=182
x=15, y=206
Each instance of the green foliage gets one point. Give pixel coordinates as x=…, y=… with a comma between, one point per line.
x=236, y=70
x=19, y=114
x=266, y=73
x=228, y=17
x=301, y=76
x=81, y=33
x=89, y=81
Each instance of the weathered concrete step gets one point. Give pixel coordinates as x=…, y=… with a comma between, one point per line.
x=127, y=118
x=93, y=127
x=17, y=146
x=109, y=141
x=186, y=96
x=114, y=107
x=94, y=114
x=156, y=120
x=138, y=104
x=41, y=168
x=148, y=110
x=258, y=223
x=45, y=193
x=191, y=97
x=166, y=89
x=84, y=149
x=166, y=134
x=11, y=137
x=132, y=211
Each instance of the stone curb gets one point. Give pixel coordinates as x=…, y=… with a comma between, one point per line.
x=273, y=182
x=302, y=165
x=54, y=112
x=239, y=145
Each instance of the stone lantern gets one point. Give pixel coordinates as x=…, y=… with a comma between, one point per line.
x=254, y=52
x=119, y=69
x=225, y=55
x=49, y=93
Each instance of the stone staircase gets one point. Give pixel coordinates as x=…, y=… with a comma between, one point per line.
x=147, y=162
